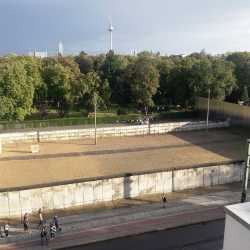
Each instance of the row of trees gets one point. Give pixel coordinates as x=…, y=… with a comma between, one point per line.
x=143, y=81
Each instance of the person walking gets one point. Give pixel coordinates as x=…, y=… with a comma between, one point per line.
x=1, y=232
x=164, y=200
x=44, y=235
x=6, y=230
x=56, y=223
x=52, y=229
x=26, y=222
x=41, y=219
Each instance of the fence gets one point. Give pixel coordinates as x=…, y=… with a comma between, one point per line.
x=238, y=114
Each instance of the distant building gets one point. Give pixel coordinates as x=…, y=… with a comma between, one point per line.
x=60, y=49
x=39, y=54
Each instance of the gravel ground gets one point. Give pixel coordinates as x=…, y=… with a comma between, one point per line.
x=69, y=160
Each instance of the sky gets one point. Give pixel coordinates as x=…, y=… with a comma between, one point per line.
x=165, y=26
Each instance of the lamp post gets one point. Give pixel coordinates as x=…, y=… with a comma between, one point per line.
x=208, y=107
x=95, y=104
x=246, y=173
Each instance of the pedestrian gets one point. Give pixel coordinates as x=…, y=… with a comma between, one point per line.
x=56, y=222
x=26, y=222
x=164, y=200
x=44, y=235
x=52, y=229
x=41, y=219
x=6, y=229
x=1, y=231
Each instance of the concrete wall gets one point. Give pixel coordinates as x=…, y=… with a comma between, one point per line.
x=160, y=128
x=238, y=114
x=16, y=203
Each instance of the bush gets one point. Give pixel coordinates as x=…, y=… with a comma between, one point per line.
x=122, y=111
x=177, y=115
x=84, y=113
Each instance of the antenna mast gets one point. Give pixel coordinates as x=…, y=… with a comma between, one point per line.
x=111, y=28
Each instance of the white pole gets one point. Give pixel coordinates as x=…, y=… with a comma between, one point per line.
x=111, y=40
x=246, y=174
x=208, y=107
x=95, y=123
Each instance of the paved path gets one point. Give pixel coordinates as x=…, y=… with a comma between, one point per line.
x=202, y=236
x=98, y=226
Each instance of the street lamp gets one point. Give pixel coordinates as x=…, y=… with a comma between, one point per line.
x=246, y=173
x=208, y=107
x=95, y=104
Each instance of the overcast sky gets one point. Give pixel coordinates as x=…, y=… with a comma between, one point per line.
x=171, y=27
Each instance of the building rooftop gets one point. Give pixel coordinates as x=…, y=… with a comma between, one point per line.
x=240, y=212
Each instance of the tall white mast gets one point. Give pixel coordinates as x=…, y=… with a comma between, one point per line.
x=111, y=28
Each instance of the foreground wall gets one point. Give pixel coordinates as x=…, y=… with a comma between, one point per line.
x=237, y=227
x=16, y=203
x=153, y=129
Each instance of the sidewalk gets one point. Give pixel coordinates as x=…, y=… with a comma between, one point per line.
x=103, y=225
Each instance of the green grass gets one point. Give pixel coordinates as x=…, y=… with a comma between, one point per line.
x=72, y=121
x=177, y=115
x=102, y=118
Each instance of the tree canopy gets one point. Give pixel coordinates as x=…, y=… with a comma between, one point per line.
x=141, y=82
x=16, y=89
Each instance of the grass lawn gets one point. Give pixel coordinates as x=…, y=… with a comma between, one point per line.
x=75, y=118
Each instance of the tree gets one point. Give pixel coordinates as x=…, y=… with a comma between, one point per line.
x=216, y=75
x=112, y=69
x=88, y=89
x=16, y=90
x=33, y=67
x=245, y=96
x=105, y=93
x=241, y=61
x=179, y=89
x=85, y=63
x=163, y=95
x=144, y=79
x=59, y=81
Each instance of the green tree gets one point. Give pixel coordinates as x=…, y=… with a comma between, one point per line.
x=85, y=63
x=241, y=60
x=112, y=69
x=88, y=87
x=105, y=93
x=16, y=90
x=33, y=67
x=245, y=96
x=216, y=75
x=59, y=81
x=179, y=90
x=163, y=96
x=144, y=79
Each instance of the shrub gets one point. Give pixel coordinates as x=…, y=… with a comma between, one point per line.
x=122, y=111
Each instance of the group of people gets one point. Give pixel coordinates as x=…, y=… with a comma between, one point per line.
x=4, y=230
x=49, y=232
x=46, y=231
